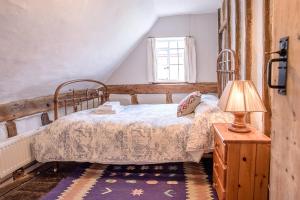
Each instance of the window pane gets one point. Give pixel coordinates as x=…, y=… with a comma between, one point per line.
x=162, y=73
x=161, y=52
x=181, y=60
x=174, y=60
x=162, y=61
x=173, y=72
x=173, y=52
x=173, y=44
x=181, y=52
x=181, y=44
x=181, y=73
x=162, y=44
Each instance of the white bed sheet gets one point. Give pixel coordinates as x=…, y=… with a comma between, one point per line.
x=139, y=134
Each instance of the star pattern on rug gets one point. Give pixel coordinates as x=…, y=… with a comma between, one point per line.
x=137, y=192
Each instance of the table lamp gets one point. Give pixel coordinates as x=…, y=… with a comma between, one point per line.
x=239, y=98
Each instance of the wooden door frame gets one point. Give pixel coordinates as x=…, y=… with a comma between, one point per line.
x=265, y=88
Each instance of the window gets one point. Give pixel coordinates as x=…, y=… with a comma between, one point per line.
x=171, y=59
x=169, y=53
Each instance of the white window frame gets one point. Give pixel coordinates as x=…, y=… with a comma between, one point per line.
x=168, y=49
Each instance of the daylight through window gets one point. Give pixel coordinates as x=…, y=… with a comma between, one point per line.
x=169, y=54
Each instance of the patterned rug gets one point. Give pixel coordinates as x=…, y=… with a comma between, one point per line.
x=176, y=181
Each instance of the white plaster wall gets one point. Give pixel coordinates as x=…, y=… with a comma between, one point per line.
x=43, y=43
x=203, y=27
x=3, y=131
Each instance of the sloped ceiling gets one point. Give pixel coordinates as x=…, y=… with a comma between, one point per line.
x=176, y=7
x=43, y=43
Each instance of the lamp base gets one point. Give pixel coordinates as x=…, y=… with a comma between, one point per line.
x=239, y=124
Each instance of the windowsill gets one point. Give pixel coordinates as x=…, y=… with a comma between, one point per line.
x=169, y=82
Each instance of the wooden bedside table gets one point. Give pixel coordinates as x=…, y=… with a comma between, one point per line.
x=241, y=164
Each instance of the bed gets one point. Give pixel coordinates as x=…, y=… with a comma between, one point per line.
x=139, y=134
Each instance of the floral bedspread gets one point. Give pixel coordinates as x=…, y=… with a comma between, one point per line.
x=139, y=134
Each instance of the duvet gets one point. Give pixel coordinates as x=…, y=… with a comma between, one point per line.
x=139, y=134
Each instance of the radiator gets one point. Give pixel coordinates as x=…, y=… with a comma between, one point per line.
x=15, y=153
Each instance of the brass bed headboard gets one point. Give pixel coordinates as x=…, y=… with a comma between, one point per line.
x=76, y=99
x=227, y=69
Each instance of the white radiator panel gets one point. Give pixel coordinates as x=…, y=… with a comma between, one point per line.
x=16, y=152
x=3, y=132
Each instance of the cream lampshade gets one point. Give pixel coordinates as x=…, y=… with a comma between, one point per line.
x=240, y=97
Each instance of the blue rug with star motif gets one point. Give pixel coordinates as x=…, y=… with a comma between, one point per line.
x=176, y=181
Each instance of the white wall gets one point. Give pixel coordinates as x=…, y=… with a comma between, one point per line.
x=202, y=27
x=43, y=43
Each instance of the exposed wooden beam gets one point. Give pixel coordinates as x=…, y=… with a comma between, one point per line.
x=169, y=98
x=248, y=32
x=220, y=34
x=134, y=99
x=265, y=93
x=162, y=88
x=26, y=107
x=237, y=33
x=11, y=128
x=223, y=26
x=229, y=16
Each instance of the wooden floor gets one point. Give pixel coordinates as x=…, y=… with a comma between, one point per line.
x=37, y=184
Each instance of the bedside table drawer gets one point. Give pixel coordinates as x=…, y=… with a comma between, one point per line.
x=218, y=187
x=220, y=147
x=220, y=169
